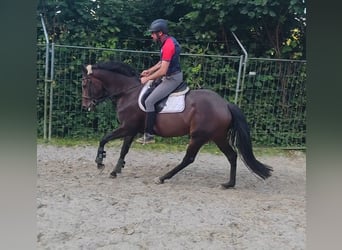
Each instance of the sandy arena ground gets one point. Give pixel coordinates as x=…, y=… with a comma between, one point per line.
x=80, y=208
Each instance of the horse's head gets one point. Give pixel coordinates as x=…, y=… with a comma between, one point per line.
x=92, y=89
x=107, y=80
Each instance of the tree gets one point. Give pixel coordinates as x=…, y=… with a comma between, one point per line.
x=98, y=23
x=277, y=26
x=267, y=28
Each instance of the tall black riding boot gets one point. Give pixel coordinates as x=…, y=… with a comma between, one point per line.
x=149, y=132
x=150, y=120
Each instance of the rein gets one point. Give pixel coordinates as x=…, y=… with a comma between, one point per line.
x=109, y=96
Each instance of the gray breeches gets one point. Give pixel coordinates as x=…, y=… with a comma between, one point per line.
x=168, y=84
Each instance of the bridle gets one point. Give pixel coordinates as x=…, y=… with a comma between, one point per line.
x=88, y=84
x=95, y=101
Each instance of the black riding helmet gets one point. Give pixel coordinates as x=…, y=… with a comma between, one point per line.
x=159, y=25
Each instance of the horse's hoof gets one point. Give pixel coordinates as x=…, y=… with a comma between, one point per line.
x=113, y=175
x=117, y=170
x=157, y=180
x=100, y=166
x=227, y=185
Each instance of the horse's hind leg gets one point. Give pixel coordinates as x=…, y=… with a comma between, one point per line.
x=191, y=152
x=231, y=155
x=121, y=161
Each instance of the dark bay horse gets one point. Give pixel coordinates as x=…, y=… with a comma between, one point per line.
x=207, y=117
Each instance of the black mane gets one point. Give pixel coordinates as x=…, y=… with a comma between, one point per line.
x=115, y=66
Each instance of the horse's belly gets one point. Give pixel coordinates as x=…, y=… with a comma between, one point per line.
x=171, y=125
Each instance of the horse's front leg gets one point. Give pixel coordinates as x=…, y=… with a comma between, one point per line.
x=121, y=161
x=101, y=153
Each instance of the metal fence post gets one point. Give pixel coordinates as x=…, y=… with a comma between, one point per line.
x=51, y=86
x=46, y=77
x=237, y=89
x=244, y=68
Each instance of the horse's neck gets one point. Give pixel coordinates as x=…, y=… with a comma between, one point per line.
x=115, y=82
x=128, y=97
x=123, y=86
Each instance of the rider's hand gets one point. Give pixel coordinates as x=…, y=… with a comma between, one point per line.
x=144, y=80
x=145, y=73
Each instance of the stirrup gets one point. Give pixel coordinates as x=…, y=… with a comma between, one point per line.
x=146, y=139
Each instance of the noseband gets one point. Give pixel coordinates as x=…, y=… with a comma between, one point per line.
x=93, y=100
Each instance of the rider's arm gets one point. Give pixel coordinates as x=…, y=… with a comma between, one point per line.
x=151, y=70
x=161, y=68
x=164, y=65
x=161, y=71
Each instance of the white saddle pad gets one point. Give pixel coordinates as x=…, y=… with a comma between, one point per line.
x=175, y=102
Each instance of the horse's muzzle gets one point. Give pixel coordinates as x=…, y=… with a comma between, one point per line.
x=90, y=106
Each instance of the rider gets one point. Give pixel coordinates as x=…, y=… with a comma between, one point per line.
x=168, y=69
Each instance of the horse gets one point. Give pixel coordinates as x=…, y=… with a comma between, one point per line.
x=206, y=117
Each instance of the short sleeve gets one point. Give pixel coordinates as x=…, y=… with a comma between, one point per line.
x=168, y=50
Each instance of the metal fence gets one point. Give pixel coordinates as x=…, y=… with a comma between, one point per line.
x=270, y=92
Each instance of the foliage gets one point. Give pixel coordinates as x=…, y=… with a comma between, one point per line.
x=267, y=28
x=270, y=29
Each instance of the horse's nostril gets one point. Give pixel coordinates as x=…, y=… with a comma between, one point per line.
x=86, y=107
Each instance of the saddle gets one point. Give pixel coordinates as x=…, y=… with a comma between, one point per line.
x=173, y=103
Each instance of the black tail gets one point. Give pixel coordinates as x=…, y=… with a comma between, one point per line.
x=239, y=136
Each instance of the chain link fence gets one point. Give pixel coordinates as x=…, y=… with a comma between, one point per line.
x=271, y=93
